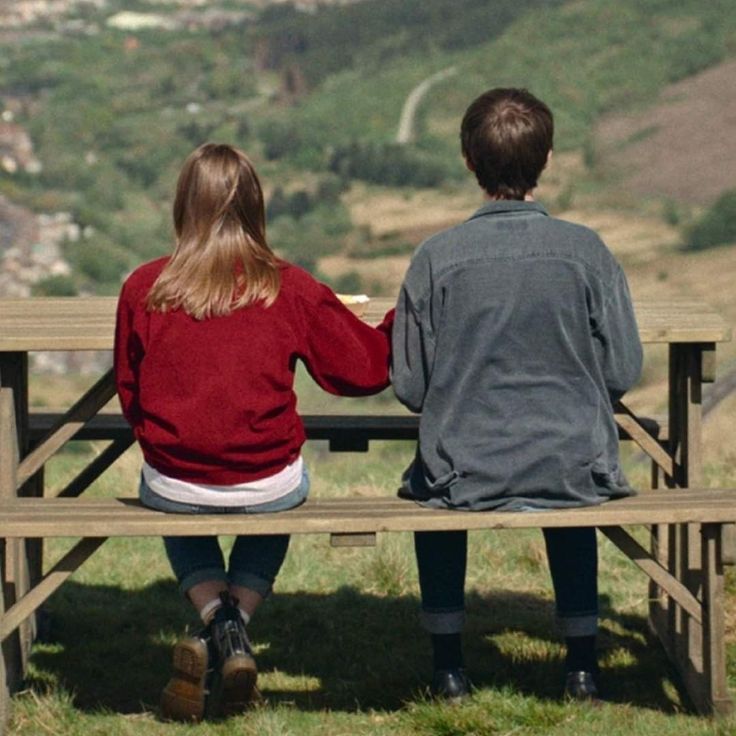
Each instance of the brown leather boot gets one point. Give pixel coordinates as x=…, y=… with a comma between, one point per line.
x=185, y=695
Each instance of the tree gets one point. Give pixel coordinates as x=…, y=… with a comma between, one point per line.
x=717, y=226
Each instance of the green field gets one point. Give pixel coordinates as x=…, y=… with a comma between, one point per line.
x=583, y=58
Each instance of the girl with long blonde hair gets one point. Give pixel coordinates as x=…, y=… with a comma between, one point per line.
x=206, y=347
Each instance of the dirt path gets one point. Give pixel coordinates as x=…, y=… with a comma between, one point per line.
x=405, y=132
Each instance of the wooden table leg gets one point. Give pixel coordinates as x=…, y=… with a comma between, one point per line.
x=714, y=645
x=23, y=557
x=690, y=473
x=14, y=375
x=11, y=654
x=660, y=544
x=670, y=543
x=9, y=657
x=691, y=645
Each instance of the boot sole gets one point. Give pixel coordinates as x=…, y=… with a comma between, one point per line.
x=183, y=698
x=238, y=684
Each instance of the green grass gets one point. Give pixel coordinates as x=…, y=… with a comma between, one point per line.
x=338, y=645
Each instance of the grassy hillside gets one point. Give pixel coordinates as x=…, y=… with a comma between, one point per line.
x=584, y=58
x=377, y=33
x=112, y=115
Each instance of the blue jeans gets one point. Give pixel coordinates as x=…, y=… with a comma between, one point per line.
x=573, y=563
x=255, y=560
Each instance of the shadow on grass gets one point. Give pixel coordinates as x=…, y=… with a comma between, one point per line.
x=347, y=650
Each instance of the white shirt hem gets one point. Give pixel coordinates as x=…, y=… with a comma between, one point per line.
x=252, y=493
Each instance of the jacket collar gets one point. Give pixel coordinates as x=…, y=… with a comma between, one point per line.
x=509, y=206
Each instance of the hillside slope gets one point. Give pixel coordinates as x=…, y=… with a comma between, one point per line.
x=684, y=145
x=112, y=115
x=585, y=58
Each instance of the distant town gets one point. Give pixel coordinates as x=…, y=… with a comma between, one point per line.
x=165, y=14
x=30, y=243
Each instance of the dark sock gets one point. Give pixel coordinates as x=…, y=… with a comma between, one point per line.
x=447, y=651
x=581, y=656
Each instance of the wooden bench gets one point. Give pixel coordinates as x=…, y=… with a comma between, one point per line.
x=688, y=527
x=357, y=520
x=350, y=521
x=353, y=521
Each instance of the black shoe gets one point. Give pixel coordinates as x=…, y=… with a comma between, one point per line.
x=237, y=667
x=450, y=684
x=185, y=695
x=581, y=686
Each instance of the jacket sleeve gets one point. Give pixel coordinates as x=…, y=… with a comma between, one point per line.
x=413, y=338
x=616, y=330
x=343, y=354
x=127, y=355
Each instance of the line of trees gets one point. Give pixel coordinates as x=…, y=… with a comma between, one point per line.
x=717, y=226
x=340, y=36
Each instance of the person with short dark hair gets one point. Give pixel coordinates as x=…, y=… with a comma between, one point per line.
x=514, y=336
x=506, y=138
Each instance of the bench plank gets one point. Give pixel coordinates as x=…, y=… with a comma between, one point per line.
x=82, y=517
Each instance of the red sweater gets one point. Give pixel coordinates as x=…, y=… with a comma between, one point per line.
x=213, y=401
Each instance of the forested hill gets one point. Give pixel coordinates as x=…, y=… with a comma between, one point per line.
x=378, y=32
x=97, y=112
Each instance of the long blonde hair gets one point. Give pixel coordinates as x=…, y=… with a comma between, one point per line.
x=221, y=259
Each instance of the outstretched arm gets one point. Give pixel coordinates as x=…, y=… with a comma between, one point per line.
x=343, y=354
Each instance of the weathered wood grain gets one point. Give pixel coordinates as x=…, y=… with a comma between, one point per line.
x=86, y=517
x=88, y=323
x=68, y=425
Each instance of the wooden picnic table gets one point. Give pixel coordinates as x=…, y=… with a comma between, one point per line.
x=689, y=328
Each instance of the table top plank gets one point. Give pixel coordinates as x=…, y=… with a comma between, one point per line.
x=88, y=323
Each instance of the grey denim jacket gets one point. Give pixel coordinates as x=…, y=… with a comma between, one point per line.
x=514, y=334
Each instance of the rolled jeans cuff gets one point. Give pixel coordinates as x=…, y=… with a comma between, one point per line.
x=578, y=625
x=252, y=582
x=442, y=622
x=201, y=575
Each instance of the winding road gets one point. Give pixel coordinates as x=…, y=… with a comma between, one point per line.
x=405, y=132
